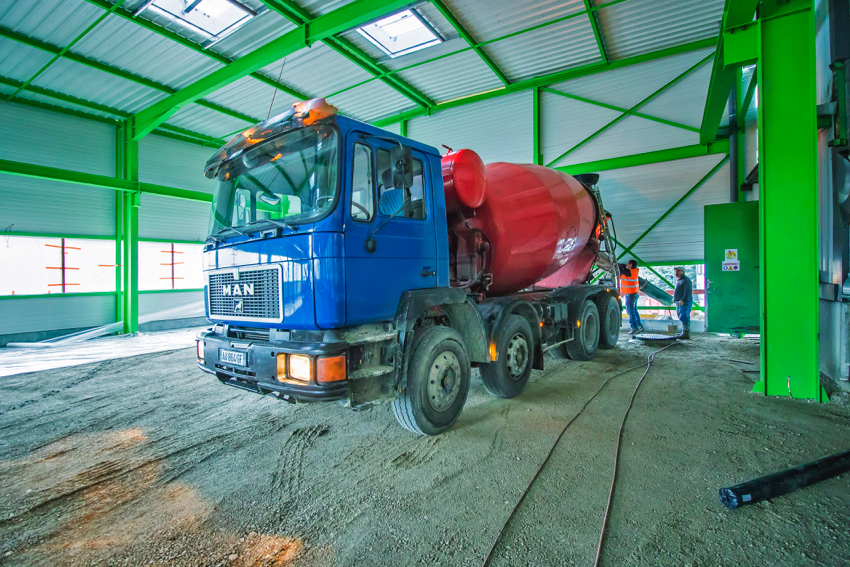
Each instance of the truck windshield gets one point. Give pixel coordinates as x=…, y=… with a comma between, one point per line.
x=291, y=179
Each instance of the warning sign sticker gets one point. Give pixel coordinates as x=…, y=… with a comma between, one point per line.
x=731, y=266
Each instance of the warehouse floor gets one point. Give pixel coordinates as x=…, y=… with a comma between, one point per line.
x=146, y=460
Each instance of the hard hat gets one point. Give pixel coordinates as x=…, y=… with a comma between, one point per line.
x=679, y=268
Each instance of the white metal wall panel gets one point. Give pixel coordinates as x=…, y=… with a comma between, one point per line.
x=155, y=302
x=566, y=122
x=371, y=101
x=628, y=86
x=52, y=313
x=452, y=77
x=557, y=47
x=499, y=129
x=73, y=143
x=395, y=128
x=173, y=163
x=489, y=19
x=632, y=135
x=54, y=207
x=642, y=26
x=684, y=102
x=167, y=218
x=638, y=196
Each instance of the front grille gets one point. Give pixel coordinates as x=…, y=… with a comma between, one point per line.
x=258, y=292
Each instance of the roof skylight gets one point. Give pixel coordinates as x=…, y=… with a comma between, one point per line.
x=400, y=34
x=213, y=19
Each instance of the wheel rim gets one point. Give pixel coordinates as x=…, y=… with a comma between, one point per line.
x=590, y=329
x=444, y=381
x=517, y=356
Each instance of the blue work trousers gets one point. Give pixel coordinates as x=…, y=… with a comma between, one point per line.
x=632, y=310
x=684, y=313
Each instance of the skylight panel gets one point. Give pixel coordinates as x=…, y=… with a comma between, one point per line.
x=213, y=19
x=400, y=34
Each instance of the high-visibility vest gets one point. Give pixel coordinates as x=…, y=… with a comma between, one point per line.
x=629, y=284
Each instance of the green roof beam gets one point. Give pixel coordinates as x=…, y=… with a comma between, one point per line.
x=591, y=15
x=619, y=109
x=177, y=38
x=658, y=156
x=469, y=39
x=348, y=16
x=631, y=111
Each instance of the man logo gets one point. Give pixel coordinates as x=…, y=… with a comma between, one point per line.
x=237, y=305
x=237, y=289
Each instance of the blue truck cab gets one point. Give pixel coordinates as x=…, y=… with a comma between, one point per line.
x=327, y=274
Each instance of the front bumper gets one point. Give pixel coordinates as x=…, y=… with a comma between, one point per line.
x=259, y=375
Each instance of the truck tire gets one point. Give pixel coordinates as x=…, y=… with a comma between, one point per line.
x=508, y=375
x=586, y=337
x=610, y=321
x=437, y=382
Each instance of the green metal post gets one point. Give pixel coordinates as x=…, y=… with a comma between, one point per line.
x=402, y=128
x=788, y=201
x=130, y=205
x=119, y=222
x=537, y=155
x=740, y=115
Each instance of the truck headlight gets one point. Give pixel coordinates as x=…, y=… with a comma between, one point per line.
x=300, y=367
x=330, y=368
x=200, y=351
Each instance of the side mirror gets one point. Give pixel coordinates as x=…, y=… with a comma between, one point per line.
x=402, y=160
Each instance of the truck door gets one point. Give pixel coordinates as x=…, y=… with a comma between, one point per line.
x=405, y=255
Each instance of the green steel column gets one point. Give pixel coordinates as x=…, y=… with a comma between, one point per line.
x=788, y=204
x=537, y=156
x=402, y=128
x=740, y=115
x=119, y=221
x=131, y=202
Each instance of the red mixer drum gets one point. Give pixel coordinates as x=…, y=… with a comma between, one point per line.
x=464, y=180
x=537, y=221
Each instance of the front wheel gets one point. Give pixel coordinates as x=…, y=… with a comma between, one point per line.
x=586, y=335
x=437, y=382
x=507, y=376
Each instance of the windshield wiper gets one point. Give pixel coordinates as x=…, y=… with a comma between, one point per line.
x=275, y=222
x=217, y=238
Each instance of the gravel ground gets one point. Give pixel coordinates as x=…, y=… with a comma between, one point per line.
x=148, y=461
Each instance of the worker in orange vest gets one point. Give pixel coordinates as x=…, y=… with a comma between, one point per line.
x=630, y=289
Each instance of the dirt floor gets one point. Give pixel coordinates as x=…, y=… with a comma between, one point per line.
x=148, y=461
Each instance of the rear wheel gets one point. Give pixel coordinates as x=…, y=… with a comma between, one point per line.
x=586, y=335
x=437, y=382
x=507, y=376
x=610, y=319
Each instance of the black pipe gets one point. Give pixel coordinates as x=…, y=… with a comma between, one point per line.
x=789, y=480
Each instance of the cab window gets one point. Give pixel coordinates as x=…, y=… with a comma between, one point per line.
x=409, y=203
x=362, y=185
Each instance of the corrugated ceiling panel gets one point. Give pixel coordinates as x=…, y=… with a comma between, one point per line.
x=452, y=45
x=130, y=47
x=684, y=102
x=630, y=136
x=371, y=101
x=84, y=82
x=54, y=21
x=173, y=163
x=254, y=34
x=638, y=196
x=319, y=7
x=20, y=62
x=73, y=143
x=628, y=86
x=642, y=26
x=252, y=97
x=168, y=218
x=564, y=45
x=489, y=19
x=155, y=302
x=54, y=207
x=566, y=122
x=52, y=313
x=499, y=129
x=452, y=77
x=59, y=103
x=206, y=121
x=316, y=71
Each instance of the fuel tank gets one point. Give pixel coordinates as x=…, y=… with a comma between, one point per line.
x=532, y=222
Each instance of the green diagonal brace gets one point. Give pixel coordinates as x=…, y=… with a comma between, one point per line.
x=681, y=200
x=348, y=16
x=631, y=111
x=468, y=37
x=620, y=109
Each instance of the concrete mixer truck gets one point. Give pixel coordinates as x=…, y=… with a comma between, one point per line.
x=347, y=263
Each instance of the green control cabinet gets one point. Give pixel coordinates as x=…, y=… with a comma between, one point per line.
x=732, y=267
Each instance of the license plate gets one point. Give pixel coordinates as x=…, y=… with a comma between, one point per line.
x=232, y=357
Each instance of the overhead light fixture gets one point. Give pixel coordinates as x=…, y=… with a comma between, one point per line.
x=401, y=33
x=212, y=19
